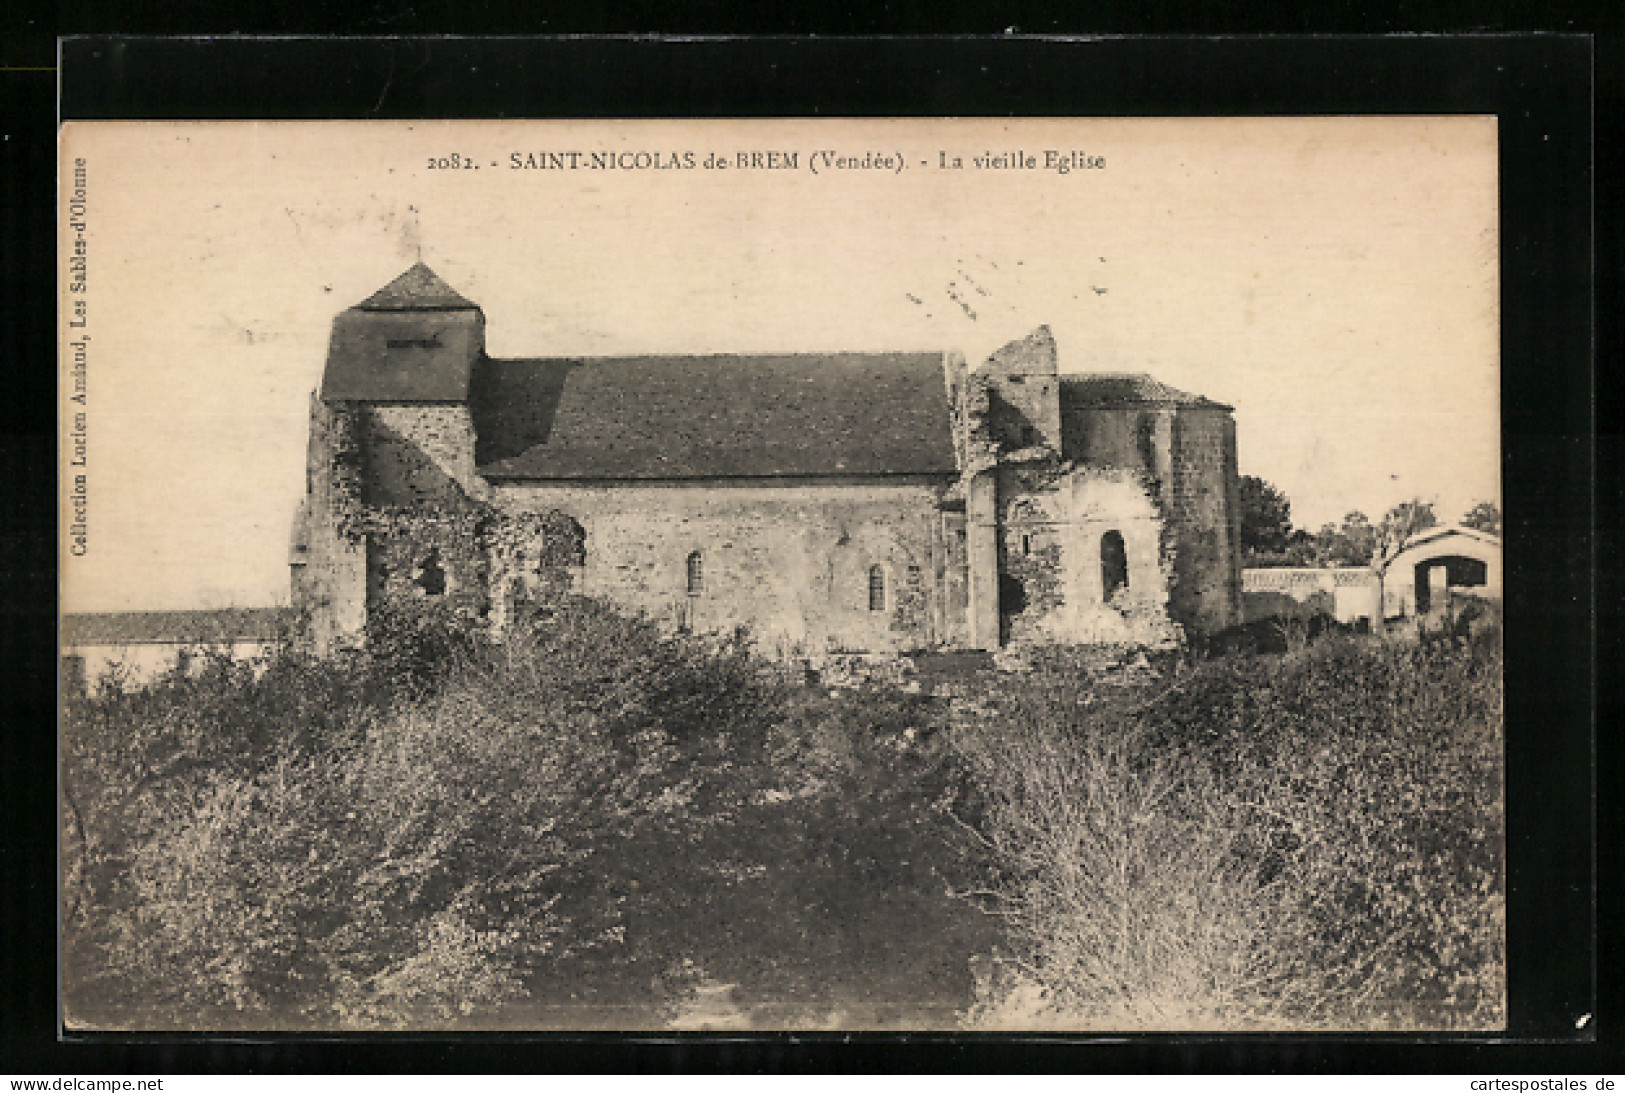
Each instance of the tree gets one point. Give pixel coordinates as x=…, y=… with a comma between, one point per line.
x=1351, y=543
x=1484, y=516
x=1266, y=517
x=1403, y=521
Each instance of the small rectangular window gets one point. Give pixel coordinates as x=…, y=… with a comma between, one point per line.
x=877, y=589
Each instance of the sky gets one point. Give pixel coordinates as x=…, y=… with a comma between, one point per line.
x=1333, y=279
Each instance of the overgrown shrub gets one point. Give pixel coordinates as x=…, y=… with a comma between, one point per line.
x=1312, y=840
x=376, y=838
x=417, y=832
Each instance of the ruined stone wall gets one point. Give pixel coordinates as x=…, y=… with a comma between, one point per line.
x=329, y=568
x=1033, y=525
x=1201, y=509
x=417, y=453
x=790, y=562
x=1054, y=517
x=1187, y=457
x=387, y=522
x=424, y=555
x=1123, y=437
x=1115, y=499
x=1026, y=393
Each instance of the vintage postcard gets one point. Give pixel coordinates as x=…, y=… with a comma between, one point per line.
x=893, y=574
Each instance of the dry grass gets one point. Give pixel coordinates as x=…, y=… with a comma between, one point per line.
x=1308, y=841
x=446, y=832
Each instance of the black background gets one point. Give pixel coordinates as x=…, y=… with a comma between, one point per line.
x=1561, y=546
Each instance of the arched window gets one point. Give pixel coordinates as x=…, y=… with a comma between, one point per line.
x=696, y=574
x=1113, y=564
x=877, y=588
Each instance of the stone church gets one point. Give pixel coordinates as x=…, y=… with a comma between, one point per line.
x=829, y=502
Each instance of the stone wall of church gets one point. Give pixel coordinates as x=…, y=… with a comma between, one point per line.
x=1127, y=437
x=807, y=568
x=329, y=567
x=387, y=523
x=417, y=453
x=1055, y=587
x=1187, y=456
x=1203, y=515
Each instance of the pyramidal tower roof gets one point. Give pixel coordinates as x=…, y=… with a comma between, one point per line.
x=414, y=340
x=418, y=289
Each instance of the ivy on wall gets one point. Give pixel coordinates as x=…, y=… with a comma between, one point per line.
x=469, y=553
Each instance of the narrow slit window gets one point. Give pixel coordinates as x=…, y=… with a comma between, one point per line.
x=696, y=574
x=1113, y=564
x=877, y=588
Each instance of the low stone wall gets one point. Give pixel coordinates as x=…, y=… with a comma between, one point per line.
x=1344, y=594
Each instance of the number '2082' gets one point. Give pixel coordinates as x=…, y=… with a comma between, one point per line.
x=453, y=162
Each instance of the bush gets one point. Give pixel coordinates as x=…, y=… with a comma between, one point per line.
x=1312, y=840
x=374, y=839
x=418, y=833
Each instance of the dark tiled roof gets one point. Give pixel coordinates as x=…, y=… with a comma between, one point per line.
x=1127, y=389
x=418, y=289
x=401, y=356
x=176, y=627
x=723, y=416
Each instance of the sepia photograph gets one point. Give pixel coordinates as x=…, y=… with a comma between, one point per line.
x=892, y=574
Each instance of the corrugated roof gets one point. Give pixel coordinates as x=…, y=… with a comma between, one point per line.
x=713, y=416
x=418, y=289
x=1127, y=388
x=402, y=356
x=176, y=627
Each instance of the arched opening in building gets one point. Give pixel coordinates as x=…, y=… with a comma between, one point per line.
x=877, y=588
x=1436, y=576
x=696, y=574
x=1113, y=564
x=556, y=555
x=431, y=575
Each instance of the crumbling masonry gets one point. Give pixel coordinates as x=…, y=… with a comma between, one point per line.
x=876, y=502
